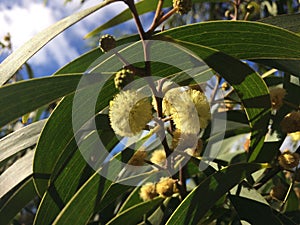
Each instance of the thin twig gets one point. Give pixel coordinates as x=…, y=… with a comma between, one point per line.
x=157, y=16
x=161, y=20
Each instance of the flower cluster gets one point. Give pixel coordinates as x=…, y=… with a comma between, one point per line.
x=189, y=109
x=288, y=160
x=129, y=113
x=166, y=187
x=158, y=157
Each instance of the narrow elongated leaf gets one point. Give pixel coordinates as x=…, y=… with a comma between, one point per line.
x=239, y=39
x=254, y=212
x=20, y=139
x=65, y=182
x=17, y=201
x=25, y=96
x=133, y=199
x=16, y=173
x=15, y=60
x=100, y=192
x=290, y=22
x=203, y=197
x=135, y=214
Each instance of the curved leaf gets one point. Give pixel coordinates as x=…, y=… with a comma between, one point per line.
x=261, y=214
x=20, y=140
x=64, y=182
x=15, y=60
x=290, y=22
x=135, y=214
x=17, y=201
x=100, y=192
x=239, y=39
x=25, y=96
x=16, y=173
x=207, y=193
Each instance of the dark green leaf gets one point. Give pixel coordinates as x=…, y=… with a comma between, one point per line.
x=290, y=22
x=64, y=182
x=239, y=39
x=17, y=201
x=25, y=96
x=204, y=196
x=254, y=212
x=135, y=214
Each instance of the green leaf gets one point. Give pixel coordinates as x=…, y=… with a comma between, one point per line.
x=133, y=199
x=100, y=192
x=60, y=121
x=207, y=193
x=135, y=214
x=25, y=96
x=290, y=22
x=239, y=39
x=64, y=182
x=15, y=60
x=17, y=201
x=20, y=140
x=16, y=173
x=254, y=212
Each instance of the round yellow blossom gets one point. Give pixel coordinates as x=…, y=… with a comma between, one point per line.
x=148, y=191
x=138, y=158
x=277, y=95
x=291, y=122
x=189, y=109
x=166, y=187
x=158, y=157
x=288, y=160
x=129, y=112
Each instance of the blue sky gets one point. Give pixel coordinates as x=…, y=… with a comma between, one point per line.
x=25, y=18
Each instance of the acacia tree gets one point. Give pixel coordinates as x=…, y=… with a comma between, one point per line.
x=145, y=126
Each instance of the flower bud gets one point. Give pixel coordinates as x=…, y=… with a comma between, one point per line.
x=107, y=43
x=148, y=191
x=123, y=78
x=166, y=187
x=288, y=160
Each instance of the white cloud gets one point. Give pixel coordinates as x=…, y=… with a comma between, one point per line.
x=25, y=18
